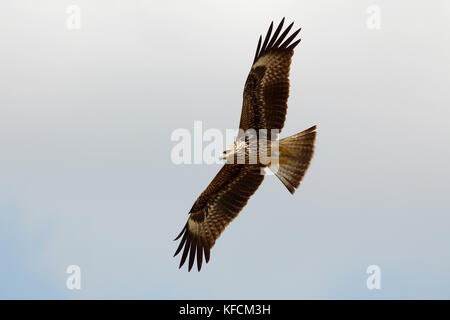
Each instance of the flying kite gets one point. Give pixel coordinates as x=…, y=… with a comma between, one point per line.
x=263, y=110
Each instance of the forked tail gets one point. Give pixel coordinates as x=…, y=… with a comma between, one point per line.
x=295, y=153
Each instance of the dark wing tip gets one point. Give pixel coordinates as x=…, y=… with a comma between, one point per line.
x=267, y=38
x=292, y=46
x=275, y=35
x=199, y=255
x=257, y=48
x=193, y=246
x=181, y=245
x=192, y=253
x=181, y=233
x=283, y=35
x=275, y=42
x=289, y=40
x=206, y=251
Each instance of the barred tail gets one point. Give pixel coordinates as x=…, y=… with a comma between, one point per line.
x=295, y=153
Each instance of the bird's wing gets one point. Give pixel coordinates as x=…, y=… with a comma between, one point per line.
x=267, y=87
x=216, y=207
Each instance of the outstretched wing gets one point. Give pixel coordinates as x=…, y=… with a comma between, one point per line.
x=267, y=87
x=216, y=207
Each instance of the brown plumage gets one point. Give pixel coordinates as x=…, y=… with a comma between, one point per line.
x=264, y=107
x=267, y=87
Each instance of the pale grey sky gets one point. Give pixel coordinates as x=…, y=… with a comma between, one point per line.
x=85, y=172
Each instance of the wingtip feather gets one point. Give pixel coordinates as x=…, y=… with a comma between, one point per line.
x=293, y=45
x=192, y=254
x=276, y=42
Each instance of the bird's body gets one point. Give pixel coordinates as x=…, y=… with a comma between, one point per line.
x=256, y=147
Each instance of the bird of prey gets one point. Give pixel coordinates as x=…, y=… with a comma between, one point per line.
x=264, y=107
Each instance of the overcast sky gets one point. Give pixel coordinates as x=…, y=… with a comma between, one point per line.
x=86, y=177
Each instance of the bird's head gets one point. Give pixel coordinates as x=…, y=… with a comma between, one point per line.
x=230, y=152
